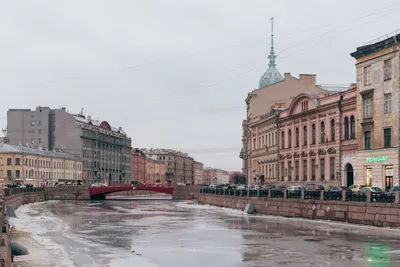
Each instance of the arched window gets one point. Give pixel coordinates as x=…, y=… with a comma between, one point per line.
x=314, y=134
x=283, y=140
x=332, y=130
x=305, y=137
x=297, y=137
x=346, y=128
x=290, y=138
x=352, y=127
x=323, y=134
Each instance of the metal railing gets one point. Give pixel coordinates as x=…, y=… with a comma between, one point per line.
x=382, y=197
x=329, y=195
x=18, y=190
x=293, y=194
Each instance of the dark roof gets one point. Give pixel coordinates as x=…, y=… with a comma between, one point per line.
x=376, y=47
x=6, y=148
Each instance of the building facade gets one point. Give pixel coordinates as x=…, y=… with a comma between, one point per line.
x=260, y=136
x=316, y=139
x=215, y=176
x=198, y=173
x=155, y=171
x=138, y=159
x=23, y=165
x=179, y=165
x=377, y=127
x=105, y=151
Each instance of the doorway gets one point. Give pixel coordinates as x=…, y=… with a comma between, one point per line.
x=369, y=176
x=350, y=174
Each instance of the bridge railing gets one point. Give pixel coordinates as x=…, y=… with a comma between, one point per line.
x=135, y=185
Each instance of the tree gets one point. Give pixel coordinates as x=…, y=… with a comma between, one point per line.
x=237, y=178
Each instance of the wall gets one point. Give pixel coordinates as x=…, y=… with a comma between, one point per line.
x=5, y=255
x=185, y=192
x=376, y=214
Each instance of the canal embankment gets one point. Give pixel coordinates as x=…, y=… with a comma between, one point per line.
x=381, y=211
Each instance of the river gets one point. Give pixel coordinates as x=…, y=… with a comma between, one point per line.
x=166, y=233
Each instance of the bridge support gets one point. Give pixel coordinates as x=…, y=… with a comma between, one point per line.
x=98, y=197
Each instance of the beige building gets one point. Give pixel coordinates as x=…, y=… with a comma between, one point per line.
x=215, y=176
x=155, y=171
x=179, y=166
x=378, y=88
x=198, y=172
x=25, y=165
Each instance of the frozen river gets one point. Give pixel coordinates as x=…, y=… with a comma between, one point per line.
x=147, y=233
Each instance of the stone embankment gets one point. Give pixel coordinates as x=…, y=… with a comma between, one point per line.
x=17, y=197
x=367, y=211
x=185, y=192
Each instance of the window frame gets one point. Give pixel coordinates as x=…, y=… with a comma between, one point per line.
x=367, y=107
x=333, y=130
x=367, y=145
x=387, y=139
x=387, y=107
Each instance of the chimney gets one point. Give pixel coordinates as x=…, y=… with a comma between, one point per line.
x=287, y=75
x=308, y=79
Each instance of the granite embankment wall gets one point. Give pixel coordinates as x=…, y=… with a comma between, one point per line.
x=367, y=213
x=185, y=192
x=17, y=197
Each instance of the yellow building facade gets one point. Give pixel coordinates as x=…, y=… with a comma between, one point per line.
x=23, y=165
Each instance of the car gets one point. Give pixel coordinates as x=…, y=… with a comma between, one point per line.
x=356, y=187
x=392, y=190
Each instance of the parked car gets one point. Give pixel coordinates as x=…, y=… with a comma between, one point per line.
x=373, y=189
x=392, y=190
x=294, y=188
x=340, y=189
x=313, y=188
x=356, y=187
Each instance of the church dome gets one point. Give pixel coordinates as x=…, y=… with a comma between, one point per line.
x=271, y=75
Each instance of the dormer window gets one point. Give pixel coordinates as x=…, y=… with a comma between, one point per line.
x=304, y=105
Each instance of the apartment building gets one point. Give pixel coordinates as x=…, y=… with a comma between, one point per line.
x=105, y=150
x=215, y=176
x=138, y=161
x=179, y=165
x=377, y=126
x=198, y=172
x=24, y=165
x=155, y=171
x=317, y=140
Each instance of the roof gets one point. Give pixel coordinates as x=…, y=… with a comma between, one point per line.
x=7, y=148
x=377, y=45
x=101, y=124
x=334, y=88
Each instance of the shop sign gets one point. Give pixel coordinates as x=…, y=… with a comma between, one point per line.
x=377, y=159
x=389, y=172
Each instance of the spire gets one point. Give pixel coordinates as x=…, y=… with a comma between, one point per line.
x=272, y=74
x=272, y=55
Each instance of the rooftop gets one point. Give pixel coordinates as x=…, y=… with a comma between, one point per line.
x=334, y=88
x=6, y=148
x=386, y=41
x=101, y=124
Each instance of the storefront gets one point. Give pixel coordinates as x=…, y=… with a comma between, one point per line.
x=378, y=168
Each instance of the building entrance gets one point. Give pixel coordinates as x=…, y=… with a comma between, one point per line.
x=350, y=175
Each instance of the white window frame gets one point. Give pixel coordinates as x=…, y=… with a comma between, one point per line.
x=367, y=107
x=388, y=103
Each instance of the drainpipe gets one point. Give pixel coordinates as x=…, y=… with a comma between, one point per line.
x=397, y=40
x=340, y=139
x=278, y=138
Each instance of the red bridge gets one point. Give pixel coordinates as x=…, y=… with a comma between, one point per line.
x=99, y=193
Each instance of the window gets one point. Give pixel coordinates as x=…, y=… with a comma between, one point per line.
x=40, y=131
x=332, y=168
x=332, y=130
x=314, y=134
x=297, y=137
x=304, y=105
x=40, y=123
x=322, y=169
x=297, y=169
x=387, y=137
x=388, y=103
x=322, y=132
x=305, y=135
x=17, y=161
x=290, y=170
x=9, y=173
x=367, y=140
x=32, y=123
x=387, y=71
x=305, y=170
x=254, y=144
x=282, y=171
x=40, y=140
x=346, y=128
x=368, y=107
x=17, y=174
x=290, y=138
x=313, y=169
x=352, y=127
x=9, y=161
x=283, y=140
x=367, y=75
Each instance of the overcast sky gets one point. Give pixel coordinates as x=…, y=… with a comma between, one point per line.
x=175, y=73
